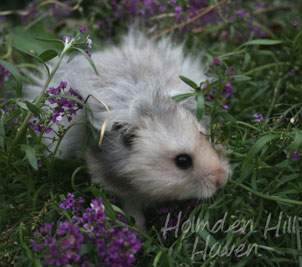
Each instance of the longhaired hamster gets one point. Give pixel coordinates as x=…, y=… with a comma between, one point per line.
x=154, y=149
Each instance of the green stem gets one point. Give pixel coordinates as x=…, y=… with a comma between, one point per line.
x=272, y=105
x=267, y=66
x=67, y=129
x=247, y=125
x=275, y=198
x=24, y=125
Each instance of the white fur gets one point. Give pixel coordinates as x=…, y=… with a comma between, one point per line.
x=136, y=81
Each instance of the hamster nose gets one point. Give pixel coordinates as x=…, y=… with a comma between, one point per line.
x=220, y=176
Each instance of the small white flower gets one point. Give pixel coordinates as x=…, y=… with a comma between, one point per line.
x=292, y=120
x=89, y=42
x=59, y=118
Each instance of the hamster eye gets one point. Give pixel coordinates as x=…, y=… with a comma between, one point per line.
x=183, y=161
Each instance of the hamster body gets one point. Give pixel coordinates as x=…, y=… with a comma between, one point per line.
x=154, y=149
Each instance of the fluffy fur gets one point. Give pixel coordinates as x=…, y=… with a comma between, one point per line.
x=147, y=130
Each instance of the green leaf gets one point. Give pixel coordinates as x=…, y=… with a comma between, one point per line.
x=22, y=105
x=2, y=134
x=86, y=249
x=246, y=61
x=200, y=106
x=13, y=115
x=14, y=71
x=258, y=146
x=33, y=108
x=188, y=82
x=157, y=258
x=262, y=42
x=72, y=54
x=88, y=58
x=32, y=55
x=26, y=39
x=47, y=40
x=178, y=98
x=31, y=156
x=48, y=55
x=241, y=78
x=297, y=140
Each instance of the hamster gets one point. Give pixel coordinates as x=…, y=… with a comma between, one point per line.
x=154, y=149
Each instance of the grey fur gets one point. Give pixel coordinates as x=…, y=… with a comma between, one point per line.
x=147, y=129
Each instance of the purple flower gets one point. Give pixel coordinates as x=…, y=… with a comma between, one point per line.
x=230, y=71
x=58, y=12
x=54, y=250
x=216, y=61
x=162, y=8
x=68, y=203
x=295, y=155
x=295, y=23
x=29, y=14
x=50, y=241
x=65, y=38
x=82, y=29
x=48, y=130
x=258, y=117
x=89, y=43
x=55, y=116
x=2, y=100
x=4, y=76
x=88, y=227
x=65, y=244
x=63, y=227
x=52, y=100
x=88, y=53
x=39, y=128
x=178, y=9
x=97, y=205
x=122, y=239
x=37, y=246
x=112, y=246
x=241, y=14
x=172, y=2
x=46, y=228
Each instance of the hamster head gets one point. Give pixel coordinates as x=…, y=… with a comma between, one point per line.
x=170, y=156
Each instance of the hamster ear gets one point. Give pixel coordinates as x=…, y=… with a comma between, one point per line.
x=127, y=132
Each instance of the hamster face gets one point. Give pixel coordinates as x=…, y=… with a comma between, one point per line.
x=171, y=158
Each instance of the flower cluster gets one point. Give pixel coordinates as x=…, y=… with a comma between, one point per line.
x=65, y=106
x=4, y=75
x=63, y=249
x=295, y=155
x=179, y=12
x=4, y=108
x=72, y=203
x=67, y=38
x=216, y=61
x=13, y=123
x=85, y=240
x=33, y=11
x=61, y=106
x=78, y=39
x=182, y=10
x=120, y=250
x=258, y=117
x=170, y=211
x=225, y=97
